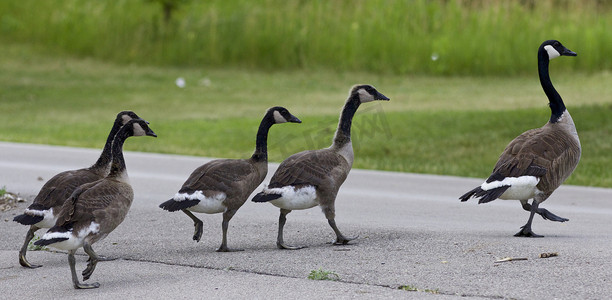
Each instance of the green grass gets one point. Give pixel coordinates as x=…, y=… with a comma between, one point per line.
x=32, y=247
x=411, y=288
x=321, y=274
x=479, y=37
x=437, y=125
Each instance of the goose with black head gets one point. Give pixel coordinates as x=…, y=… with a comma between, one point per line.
x=538, y=161
x=43, y=211
x=312, y=178
x=95, y=209
x=223, y=185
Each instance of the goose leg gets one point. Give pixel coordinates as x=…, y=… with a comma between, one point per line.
x=330, y=215
x=22, y=253
x=227, y=216
x=526, y=229
x=281, y=223
x=103, y=258
x=546, y=215
x=340, y=238
x=93, y=261
x=197, y=223
x=75, y=279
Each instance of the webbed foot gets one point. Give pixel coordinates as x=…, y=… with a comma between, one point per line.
x=25, y=263
x=547, y=215
x=197, y=234
x=226, y=249
x=103, y=258
x=342, y=240
x=282, y=245
x=527, y=232
x=79, y=285
x=91, y=266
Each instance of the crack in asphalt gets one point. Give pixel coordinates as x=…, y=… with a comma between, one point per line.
x=231, y=269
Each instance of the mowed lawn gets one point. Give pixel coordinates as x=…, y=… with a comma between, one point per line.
x=437, y=125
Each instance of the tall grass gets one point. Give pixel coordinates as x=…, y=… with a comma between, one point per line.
x=449, y=37
x=433, y=124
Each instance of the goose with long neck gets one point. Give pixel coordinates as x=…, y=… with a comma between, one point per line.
x=550, y=50
x=42, y=213
x=538, y=161
x=95, y=209
x=313, y=177
x=223, y=185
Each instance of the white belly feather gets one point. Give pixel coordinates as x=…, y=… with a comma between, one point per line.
x=207, y=205
x=74, y=241
x=294, y=199
x=521, y=188
x=48, y=220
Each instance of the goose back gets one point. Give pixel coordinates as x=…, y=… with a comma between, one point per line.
x=95, y=209
x=52, y=195
x=104, y=202
x=226, y=179
x=324, y=169
x=49, y=200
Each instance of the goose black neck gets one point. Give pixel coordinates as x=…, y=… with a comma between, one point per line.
x=557, y=107
x=343, y=133
x=106, y=155
x=261, y=143
x=118, y=164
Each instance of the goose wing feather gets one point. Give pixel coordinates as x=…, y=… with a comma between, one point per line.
x=96, y=200
x=57, y=189
x=313, y=167
x=222, y=175
x=550, y=155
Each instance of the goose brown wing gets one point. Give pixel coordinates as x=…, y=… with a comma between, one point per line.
x=560, y=153
x=55, y=191
x=219, y=175
x=306, y=168
x=537, y=152
x=522, y=157
x=88, y=199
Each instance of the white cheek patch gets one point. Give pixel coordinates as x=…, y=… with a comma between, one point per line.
x=364, y=96
x=552, y=52
x=278, y=118
x=138, y=131
x=125, y=119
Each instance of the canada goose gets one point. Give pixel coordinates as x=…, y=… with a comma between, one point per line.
x=222, y=186
x=537, y=162
x=313, y=177
x=95, y=209
x=43, y=211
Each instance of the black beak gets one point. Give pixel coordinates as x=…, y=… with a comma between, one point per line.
x=294, y=119
x=568, y=52
x=380, y=96
x=151, y=133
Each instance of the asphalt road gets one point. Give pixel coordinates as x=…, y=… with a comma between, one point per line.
x=412, y=231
